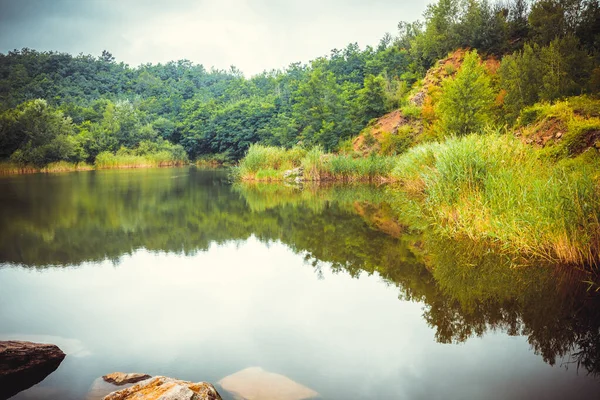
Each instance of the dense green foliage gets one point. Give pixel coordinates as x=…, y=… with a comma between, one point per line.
x=95, y=105
x=466, y=102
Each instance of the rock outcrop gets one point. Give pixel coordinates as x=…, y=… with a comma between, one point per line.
x=164, y=388
x=23, y=364
x=296, y=175
x=122, y=378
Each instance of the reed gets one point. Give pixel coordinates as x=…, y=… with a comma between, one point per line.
x=264, y=163
x=108, y=160
x=495, y=189
x=7, y=168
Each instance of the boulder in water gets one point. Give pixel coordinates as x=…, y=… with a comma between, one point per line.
x=164, y=388
x=23, y=364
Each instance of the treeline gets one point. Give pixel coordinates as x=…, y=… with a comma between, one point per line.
x=54, y=106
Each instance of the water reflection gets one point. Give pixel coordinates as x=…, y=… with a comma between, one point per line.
x=64, y=220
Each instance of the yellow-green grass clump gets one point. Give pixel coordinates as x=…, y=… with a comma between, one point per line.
x=8, y=168
x=497, y=190
x=108, y=160
x=265, y=163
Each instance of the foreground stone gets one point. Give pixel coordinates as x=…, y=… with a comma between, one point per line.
x=23, y=364
x=163, y=388
x=257, y=384
x=122, y=378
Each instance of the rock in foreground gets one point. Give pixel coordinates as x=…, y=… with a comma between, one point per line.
x=163, y=388
x=122, y=378
x=23, y=364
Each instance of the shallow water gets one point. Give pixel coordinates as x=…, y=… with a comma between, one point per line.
x=176, y=272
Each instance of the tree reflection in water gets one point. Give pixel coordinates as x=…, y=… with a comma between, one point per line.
x=467, y=290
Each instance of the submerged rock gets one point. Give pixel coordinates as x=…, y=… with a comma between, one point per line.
x=164, y=388
x=121, y=378
x=23, y=364
x=257, y=384
x=100, y=388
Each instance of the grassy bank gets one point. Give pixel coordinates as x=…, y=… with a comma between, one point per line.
x=269, y=164
x=8, y=168
x=496, y=190
x=107, y=160
x=535, y=191
x=103, y=161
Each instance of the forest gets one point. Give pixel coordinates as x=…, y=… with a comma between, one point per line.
x=85, y=110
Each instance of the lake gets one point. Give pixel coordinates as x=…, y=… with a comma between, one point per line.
x=178, y=272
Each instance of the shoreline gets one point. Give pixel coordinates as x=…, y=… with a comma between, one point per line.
x=12, y=170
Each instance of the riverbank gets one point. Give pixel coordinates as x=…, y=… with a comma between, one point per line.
x=8, y=168
x=490, y=189
x=274, y=164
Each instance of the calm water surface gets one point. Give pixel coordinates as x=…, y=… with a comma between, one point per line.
x=177, y=272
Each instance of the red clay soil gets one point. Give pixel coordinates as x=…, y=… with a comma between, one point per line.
x=445, y=68
x=545, y=132
x=388, y=123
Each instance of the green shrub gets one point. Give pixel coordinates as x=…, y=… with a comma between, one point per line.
x=466, y=100
x=529, y=115
x=398, y=143
x=411, y=111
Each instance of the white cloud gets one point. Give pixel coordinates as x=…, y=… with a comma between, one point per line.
x=252, y=35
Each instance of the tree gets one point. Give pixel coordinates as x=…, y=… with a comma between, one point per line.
x=107, y=57
x=521, y=78
x=547, y=21
x=371, y=99
x=518, y=27
x=36, y=134
x=320, y=108
x=466, y=101
x=548, y=73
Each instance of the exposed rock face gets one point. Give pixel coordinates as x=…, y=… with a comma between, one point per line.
x=163, y=388
x=257, y=384
x=296, y=174
x=121, y=378
x=23, y=364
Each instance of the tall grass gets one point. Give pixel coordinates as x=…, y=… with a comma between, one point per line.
x=347, y=168
x=264, y=163
x=271, y=158
x=7, y=168
x=106, y=160
x=313, y=163
x=494, y=189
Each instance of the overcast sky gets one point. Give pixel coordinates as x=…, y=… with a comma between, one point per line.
x=253, y=35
